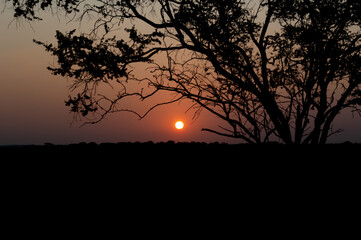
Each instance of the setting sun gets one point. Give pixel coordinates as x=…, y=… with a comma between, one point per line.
x=179, y=125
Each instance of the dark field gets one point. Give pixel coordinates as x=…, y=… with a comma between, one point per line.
x=186, y=151
x=188, y=174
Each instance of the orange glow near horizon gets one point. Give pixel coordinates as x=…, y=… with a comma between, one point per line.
x=179, y=125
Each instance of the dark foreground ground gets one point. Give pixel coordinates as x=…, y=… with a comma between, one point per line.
x=170, y=163
x=176, y=188
x=183, y=162
x=184, y=151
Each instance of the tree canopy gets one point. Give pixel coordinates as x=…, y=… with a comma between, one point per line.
x=268, y=68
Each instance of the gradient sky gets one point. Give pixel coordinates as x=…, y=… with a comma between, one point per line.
x=32, y=109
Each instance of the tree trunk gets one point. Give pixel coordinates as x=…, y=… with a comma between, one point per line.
x=278, y=119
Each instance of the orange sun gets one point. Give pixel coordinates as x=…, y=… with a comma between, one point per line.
x=179, y=125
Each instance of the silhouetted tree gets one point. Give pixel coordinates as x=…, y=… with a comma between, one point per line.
x=271, y=68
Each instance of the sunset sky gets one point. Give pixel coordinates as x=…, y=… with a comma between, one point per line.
x=32, y=109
